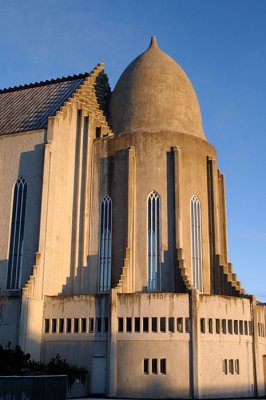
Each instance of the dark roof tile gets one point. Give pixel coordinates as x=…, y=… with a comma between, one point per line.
x=28, y=107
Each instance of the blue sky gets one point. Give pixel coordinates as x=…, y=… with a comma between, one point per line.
x=221, y=44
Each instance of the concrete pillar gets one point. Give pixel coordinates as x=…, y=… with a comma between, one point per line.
x=44, y=216
x=222, y=216
x=87, y=189
x=31, y=329
x=213, y=226
x=255, y=344
x=76, y=202
x=195, y=363
x=112, y=344
x=131, y=217
x=178, y=205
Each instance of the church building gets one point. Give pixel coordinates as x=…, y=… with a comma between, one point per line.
x=113, y=244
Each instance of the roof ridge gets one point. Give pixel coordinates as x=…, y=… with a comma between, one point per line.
x=46, y=82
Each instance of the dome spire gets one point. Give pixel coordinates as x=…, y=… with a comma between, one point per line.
x=153, y=43
x=154, y=95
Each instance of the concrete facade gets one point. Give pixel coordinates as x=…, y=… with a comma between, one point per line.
x=179, y=340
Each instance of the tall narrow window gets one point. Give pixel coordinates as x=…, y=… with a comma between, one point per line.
x=17, y=235
x=154, y=242
x=196, y=251
x=105, y=244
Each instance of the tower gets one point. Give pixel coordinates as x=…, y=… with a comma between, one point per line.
x=126, y=206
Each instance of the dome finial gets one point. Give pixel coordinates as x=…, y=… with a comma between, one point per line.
x=153, y=43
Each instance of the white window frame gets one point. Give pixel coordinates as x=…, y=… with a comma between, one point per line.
x=196, y=243
x=105, y=244
x=16, y=244
x=154, y=242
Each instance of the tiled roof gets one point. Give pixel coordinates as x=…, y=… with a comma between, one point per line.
x=27, y=108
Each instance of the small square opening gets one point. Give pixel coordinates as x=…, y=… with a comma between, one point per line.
x=171, y=324
x=154, y=366
x=179, y=323
x=91, y=325
x=162, y=324
x=120, y=324
x=145, y=324
x=163, y=366
x=129, y=324
x=137, y=324
x=154, y=324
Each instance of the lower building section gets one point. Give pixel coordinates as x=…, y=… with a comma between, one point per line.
x=153, y=369
x=10, y=306
x=155, y=345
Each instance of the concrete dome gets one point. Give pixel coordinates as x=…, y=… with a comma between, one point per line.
x=154, y=94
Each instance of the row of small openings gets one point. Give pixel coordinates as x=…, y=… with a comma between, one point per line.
x=261, y=330
x=154, y=366
x=153, y=324
x=226, y=326
x=75, y=325
x=231, y=367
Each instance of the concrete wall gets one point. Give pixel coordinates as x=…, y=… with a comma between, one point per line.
x=80, y=388
x=133, y=383
x=63, y=134
x=214, y=348
x=21, y=155
x=33, y=387
x=78, y=347
x=31, y=319
x=260, y=346
x=9, y=319
x=114, y=182
x=200, y=354
x=68, y=263
x=134, y=347
x=194, y=360
x=156, y=172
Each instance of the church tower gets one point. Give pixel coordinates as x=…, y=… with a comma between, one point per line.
x=113, y=251
x=168, y=198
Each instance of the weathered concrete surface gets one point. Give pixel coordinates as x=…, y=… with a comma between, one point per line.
x=154, y=94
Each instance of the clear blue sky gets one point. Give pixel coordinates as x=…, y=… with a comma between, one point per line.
x=221, y=44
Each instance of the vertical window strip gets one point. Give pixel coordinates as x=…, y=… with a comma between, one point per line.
x=17, y=235
x=196, y=246
x=105, y=244
x=154, y=242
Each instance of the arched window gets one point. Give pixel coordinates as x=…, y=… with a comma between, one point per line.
x=17, y=235
x=105, y=244
x=154, y=242
x=196, y=247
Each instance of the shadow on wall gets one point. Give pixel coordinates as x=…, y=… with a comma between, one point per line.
x=171, y=277
x=113, y=181
x=9, y=317
x=31, y=169
x=161, y=390
x=237, y=389
x=3, y=277
x=85, y=279
x=25, y=244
